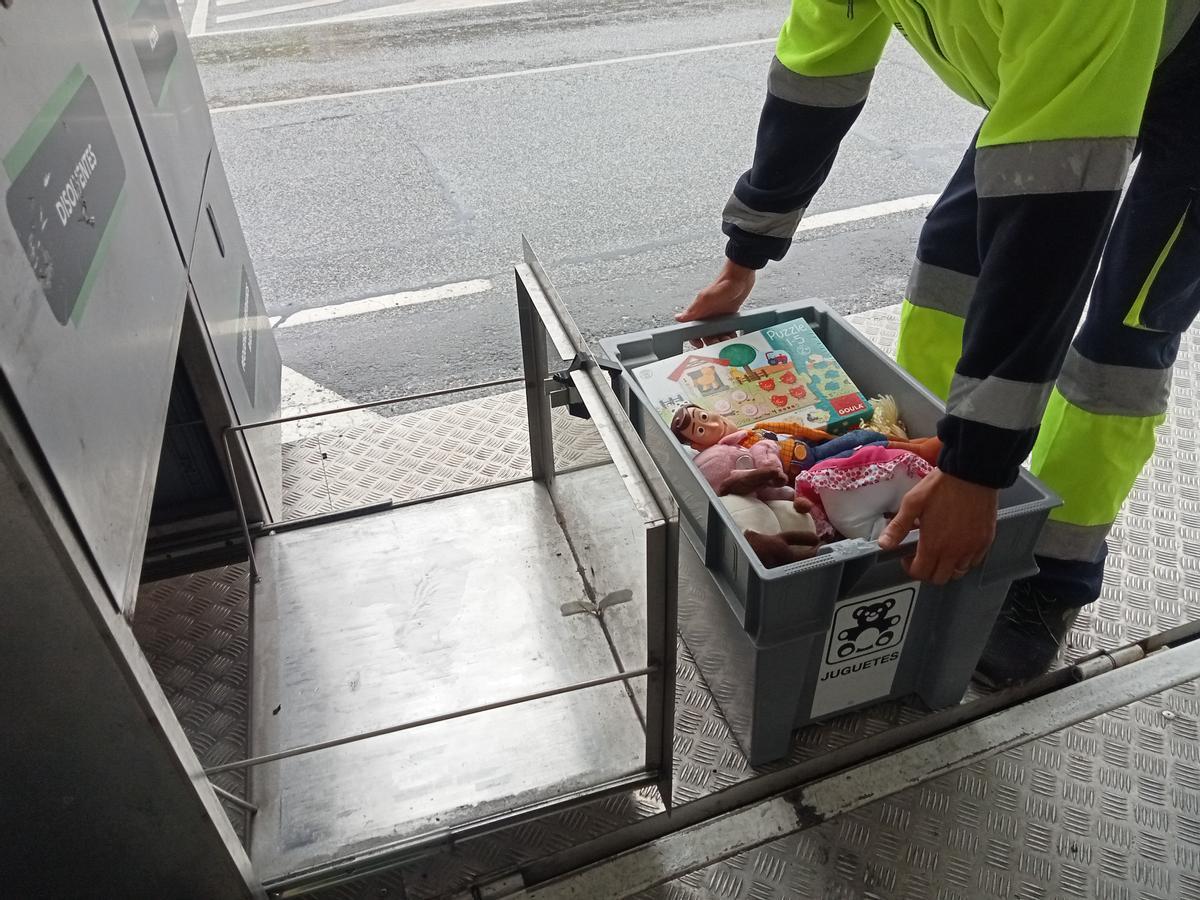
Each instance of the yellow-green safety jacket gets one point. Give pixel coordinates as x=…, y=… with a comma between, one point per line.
x=1064, y=84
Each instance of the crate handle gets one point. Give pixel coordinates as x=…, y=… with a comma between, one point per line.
x=866, y=554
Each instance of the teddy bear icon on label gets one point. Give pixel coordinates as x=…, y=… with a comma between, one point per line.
x=872, y=617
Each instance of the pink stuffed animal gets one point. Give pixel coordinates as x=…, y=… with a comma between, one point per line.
x=756, y=470
x=752, y=485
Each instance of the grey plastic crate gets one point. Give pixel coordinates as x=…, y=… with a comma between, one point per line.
x=774, y=643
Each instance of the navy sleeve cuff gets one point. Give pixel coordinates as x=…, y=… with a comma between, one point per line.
x=983, y=454
x=745, y=256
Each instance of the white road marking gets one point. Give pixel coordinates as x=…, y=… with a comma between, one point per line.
x=494, y=76
x=869, y=211
x=412, y=8
x=303, y=395
x=366, y=305
x=259, y=13
x=385, y=301
x=199, y=19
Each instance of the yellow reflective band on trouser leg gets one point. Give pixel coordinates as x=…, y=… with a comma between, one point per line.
x=1092, y=462
x=930, y=346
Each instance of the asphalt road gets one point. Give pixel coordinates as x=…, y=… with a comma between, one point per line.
x=608, y=132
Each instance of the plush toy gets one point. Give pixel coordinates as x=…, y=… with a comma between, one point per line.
x=755, y=470
x=929, y=449
x=854, y=496
x=752, y=485
x=885, y=418
x=799, y=447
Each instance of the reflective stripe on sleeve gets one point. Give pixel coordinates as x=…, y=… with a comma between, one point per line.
x=833, y=91
x=1015, y=405
x=768, y=224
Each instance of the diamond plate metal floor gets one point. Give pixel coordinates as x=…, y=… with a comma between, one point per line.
x=194, y=631
x=420, y=454
x=1109, y=808
x=1106, y=809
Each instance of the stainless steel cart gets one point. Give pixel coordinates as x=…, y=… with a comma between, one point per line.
x=433, y=668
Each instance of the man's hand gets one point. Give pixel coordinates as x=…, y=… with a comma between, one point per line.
x=723, y=297
x=957, y=521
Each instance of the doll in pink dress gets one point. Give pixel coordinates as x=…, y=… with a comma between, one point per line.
x=855, y=496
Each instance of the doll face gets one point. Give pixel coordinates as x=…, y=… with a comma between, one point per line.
x=701, y=428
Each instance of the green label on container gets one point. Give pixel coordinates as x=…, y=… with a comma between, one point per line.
x=67, y=182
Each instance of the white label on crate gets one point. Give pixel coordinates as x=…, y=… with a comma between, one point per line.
x=863, y=647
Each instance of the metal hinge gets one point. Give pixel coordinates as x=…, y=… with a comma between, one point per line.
x=562, y=391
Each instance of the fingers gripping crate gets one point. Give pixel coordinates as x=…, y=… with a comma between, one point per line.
x=785, y=646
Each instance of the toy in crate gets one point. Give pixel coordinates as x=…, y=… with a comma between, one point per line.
x=780, y=388
x=780, y=373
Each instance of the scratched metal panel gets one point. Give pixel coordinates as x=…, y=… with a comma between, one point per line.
x=415, y=612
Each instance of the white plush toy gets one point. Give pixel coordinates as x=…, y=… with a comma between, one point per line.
x=855, y=496
x=753, y=486
x=767, y=516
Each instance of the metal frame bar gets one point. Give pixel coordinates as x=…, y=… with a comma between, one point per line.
x=371, y=404
x=429, y=720
x=544, y=315
x=234, y=799
x=537, y=402
x=241, y=506
x=662, y=570
x=386, y=505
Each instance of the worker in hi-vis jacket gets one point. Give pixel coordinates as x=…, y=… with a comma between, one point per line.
x=1026, y=230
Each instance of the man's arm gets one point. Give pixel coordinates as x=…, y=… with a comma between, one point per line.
x=1051, y=159
x=816, y=87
